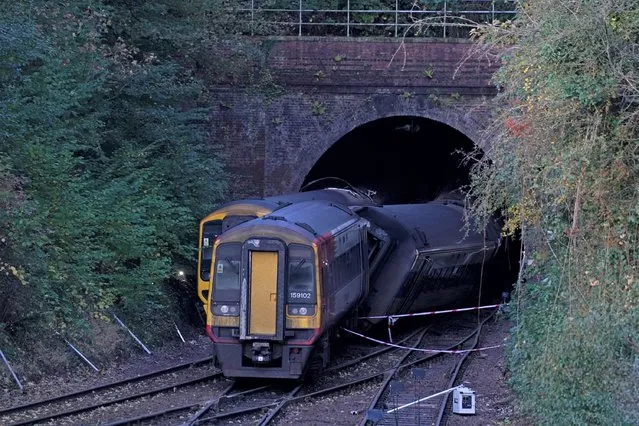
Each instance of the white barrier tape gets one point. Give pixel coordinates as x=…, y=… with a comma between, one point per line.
x=421, y=314
x=423, y=399
x=444, y=351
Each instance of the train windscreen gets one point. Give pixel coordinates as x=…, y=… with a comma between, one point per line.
x=301, y=277
x=210, y=231
x=226, y=284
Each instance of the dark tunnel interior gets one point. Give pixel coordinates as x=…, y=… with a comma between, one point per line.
x=406, y=160
x=402, y=159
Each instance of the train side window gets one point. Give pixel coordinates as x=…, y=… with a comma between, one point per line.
x=301, y=275
x=348, y=266
x=373, y=246
x=210, y=231
x=226, y=282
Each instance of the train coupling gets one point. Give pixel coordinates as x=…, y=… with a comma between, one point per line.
x=261, y=352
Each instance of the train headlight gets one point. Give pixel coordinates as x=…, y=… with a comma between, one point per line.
x=301, y=310
x=226, y=309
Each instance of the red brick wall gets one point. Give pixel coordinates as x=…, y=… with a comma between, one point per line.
x=331, y=86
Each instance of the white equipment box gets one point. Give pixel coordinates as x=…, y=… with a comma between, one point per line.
x=463, y=400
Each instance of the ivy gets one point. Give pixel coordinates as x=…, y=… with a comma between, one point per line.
x=563, y=166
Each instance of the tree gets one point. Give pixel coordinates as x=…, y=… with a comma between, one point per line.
x=105, y=165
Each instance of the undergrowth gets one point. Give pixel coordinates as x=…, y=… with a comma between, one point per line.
x=564, y=164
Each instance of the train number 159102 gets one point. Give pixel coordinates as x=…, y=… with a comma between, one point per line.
x=296, y=295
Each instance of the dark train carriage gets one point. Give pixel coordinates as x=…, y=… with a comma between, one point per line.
x=429, y=259
x=280, y=283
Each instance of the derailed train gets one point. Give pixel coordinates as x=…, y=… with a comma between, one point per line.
x=282, y=283
x=240, y=211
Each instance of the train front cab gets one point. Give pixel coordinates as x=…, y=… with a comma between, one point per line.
x=261, y=328
x=213, y=225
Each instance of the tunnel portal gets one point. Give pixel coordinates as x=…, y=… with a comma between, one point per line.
x=401, y=159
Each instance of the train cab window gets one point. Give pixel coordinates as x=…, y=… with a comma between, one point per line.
x=226, y=282
x=232, y=221
x=210, y=231
x=301, y=276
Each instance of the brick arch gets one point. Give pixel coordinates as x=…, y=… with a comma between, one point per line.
x=466, y=122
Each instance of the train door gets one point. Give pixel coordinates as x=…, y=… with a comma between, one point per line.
x=262, y=291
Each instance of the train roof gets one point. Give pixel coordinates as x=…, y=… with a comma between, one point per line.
x=436, y=224
x=309, y=219
x=335, y=195
x=318, y=217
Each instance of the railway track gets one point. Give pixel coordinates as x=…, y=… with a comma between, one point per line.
x=93, y=405
x=347, y=384
x=356, y=386
x=431, y=373
x=248, y=401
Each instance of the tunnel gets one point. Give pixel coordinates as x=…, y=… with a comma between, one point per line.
x=409, y=160
x=401, y=159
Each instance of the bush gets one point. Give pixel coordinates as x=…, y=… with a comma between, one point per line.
x=104, y=170
x=564, y=164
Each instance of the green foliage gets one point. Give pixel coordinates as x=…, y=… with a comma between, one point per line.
x=407, y=95
x=104, y=167
x=563, y=164
x=317, y=108
x=428, y=72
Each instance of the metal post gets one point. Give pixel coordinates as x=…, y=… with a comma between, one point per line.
x=300, y=22
x=493, y=11
x=132, y=335
x=252, y=16
x=445, y=8
x=396, y=15
x=11, y=370
x=82, y=356
x=179, y=333
x=348, y=18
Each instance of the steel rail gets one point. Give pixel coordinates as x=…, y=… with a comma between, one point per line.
x=292, y=397
x=214, y=403
x=205, y=407
x=419, y=360
x=378, y=11
x=272, y=413
x=369, y=355
x=333, y=388
x=151, y=415
x=118, y=400
x=389, y=376
x=171, y=410
x=454, y=375
x=104, y=386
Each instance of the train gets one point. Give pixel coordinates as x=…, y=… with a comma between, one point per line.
x=239, y=211
x=281, y=284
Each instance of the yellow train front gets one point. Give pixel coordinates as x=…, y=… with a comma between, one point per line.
x=279, y=285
